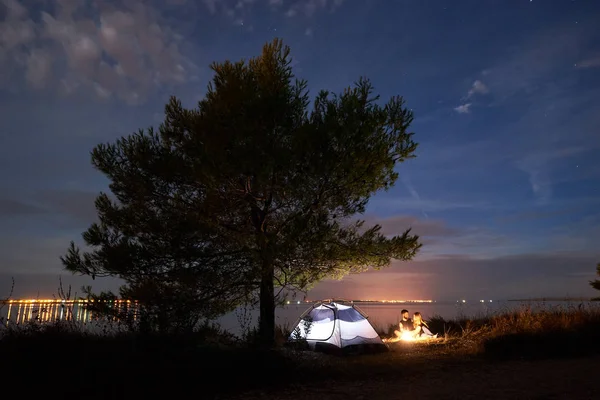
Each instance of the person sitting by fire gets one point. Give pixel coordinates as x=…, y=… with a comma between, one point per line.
x=421, y=330
x=406, y=326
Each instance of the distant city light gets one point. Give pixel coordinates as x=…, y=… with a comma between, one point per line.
x=402, y=301
x=50, y=310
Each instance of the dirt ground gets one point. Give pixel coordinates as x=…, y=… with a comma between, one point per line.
x=421, y=373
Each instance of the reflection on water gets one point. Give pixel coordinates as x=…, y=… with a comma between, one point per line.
x=43, y=310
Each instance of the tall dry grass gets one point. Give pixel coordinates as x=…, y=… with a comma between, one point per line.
x=523, y=320
x=529, y=332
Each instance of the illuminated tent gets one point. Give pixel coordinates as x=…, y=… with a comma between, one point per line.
x=337, y=326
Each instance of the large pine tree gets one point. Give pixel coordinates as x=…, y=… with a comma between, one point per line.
x=253, y=191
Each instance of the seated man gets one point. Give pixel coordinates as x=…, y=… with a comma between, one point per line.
x=406, y=326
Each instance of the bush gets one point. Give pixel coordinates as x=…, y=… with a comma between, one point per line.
x=207, y=361
x=549, y=334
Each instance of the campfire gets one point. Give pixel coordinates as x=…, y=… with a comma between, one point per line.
x=405, y=337
x=408, y=337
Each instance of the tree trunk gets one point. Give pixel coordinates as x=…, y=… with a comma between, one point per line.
x=266, y=326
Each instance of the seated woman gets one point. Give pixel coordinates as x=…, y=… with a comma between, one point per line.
x=421, y=329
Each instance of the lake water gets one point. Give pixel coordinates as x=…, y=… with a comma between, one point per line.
x=381, y=315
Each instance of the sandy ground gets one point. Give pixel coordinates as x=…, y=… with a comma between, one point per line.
x=418, y=374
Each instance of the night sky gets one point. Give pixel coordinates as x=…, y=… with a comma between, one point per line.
x=505, y=189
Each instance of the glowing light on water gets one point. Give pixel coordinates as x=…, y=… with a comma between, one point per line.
x=52, y=310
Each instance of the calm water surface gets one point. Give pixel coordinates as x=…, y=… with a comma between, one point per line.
x=381, y=315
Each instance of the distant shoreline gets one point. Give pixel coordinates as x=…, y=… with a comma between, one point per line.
x=555, y=299
x=392, y=302
x=4, y=302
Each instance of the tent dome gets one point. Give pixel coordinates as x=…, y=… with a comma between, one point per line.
x=337, y=326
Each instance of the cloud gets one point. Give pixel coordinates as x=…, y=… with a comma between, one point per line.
x=123, y=49
x=422, y=205
x=396, y=225
x=308, y=8
x=57, y=211
x=536, y=215
x=554, y=115
x=556, y=154
x=540, y=184
x=477, y=88
x=32, y=253
x=529, y=65
x=537, y=165
x=458, y=277
x=475, y=242
x=454, y=156
x=78, y=205
x=578, y=236
x=555, y=140
x=211, y=5
x=11, y=208
x=468, y=236
x=413, y=192
x=240, y=11
x=441, y=240
x=593, y=62
x=466, y=273
x=463, y=109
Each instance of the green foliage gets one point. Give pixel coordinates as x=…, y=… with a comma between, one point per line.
x=248, y=192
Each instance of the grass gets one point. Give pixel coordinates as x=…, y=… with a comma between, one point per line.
x=211, y=362
x=523, y=334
